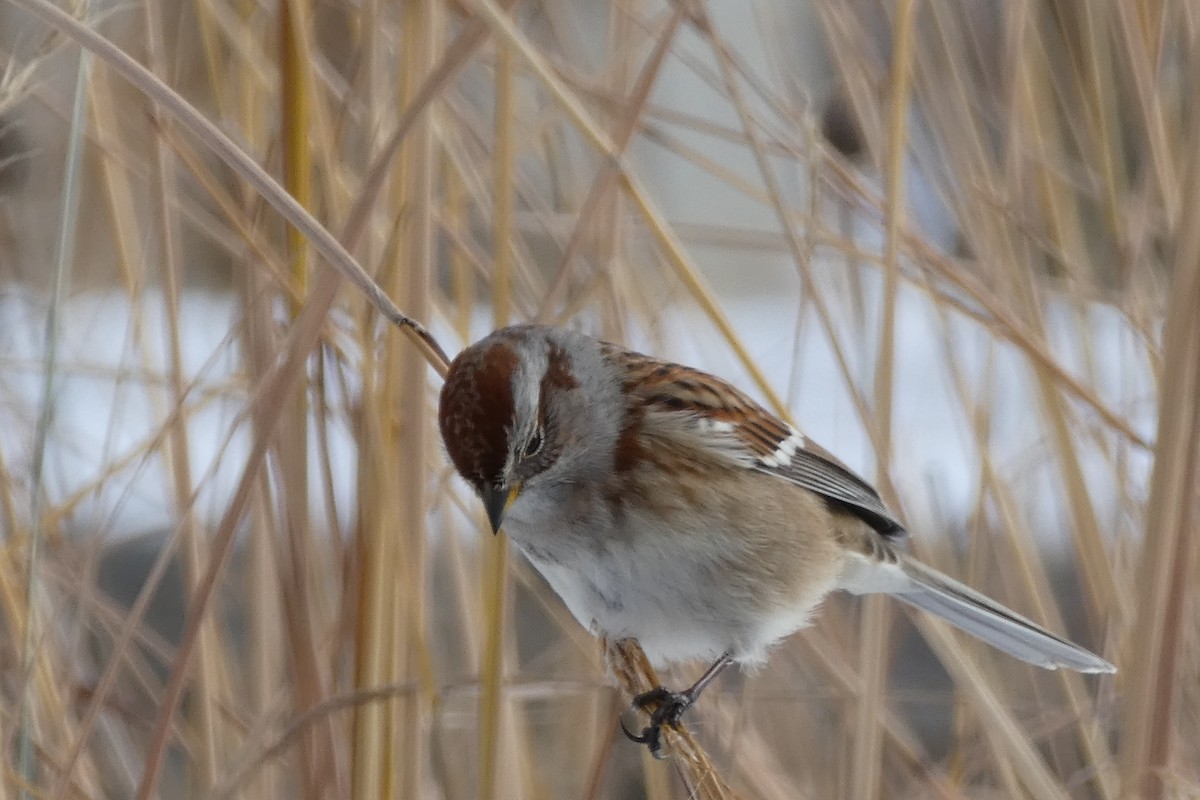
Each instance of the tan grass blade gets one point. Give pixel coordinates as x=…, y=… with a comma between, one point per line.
x=1166, y=572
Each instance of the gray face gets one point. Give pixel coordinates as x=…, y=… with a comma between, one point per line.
x=567, y=409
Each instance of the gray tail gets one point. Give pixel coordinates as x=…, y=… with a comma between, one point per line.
x=961, y=606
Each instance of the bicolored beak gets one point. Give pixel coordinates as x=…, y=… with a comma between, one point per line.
x=496, y=500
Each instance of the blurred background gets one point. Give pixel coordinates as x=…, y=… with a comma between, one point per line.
x=953, y=241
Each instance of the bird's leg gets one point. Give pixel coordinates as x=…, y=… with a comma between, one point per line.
x=669, y=706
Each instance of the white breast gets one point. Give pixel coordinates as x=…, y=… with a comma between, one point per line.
x=682, y=591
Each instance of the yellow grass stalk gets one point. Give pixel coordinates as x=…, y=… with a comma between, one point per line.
x=873, y=632
x=1166, y=572
x=492, y=705
x=295, y=58
x=212, y=682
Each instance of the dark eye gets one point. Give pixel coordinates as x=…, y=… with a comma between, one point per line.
x=535, y=444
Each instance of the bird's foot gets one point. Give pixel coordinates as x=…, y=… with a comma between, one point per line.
x=665, y=708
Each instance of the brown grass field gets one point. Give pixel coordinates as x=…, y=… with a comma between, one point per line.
x=329, y=169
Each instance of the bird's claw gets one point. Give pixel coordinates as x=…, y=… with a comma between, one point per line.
x=668, y=708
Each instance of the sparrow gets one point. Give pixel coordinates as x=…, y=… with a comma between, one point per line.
x=666, y=506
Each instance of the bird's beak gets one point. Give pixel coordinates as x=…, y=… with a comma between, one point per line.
x=496, y=500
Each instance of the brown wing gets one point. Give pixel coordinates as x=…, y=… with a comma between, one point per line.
x=771, y=445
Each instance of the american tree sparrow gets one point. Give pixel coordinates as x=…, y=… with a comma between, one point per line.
x=666, y=506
